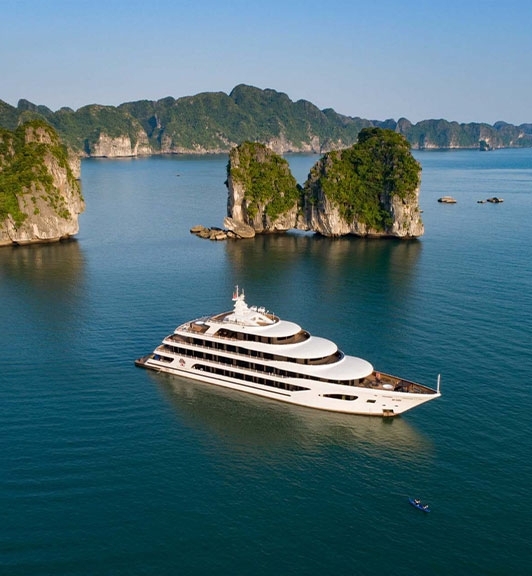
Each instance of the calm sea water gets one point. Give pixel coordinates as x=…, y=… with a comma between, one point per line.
x=109, y=469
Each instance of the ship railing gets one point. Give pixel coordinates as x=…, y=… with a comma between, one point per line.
x=197, y=326
x=194, y=328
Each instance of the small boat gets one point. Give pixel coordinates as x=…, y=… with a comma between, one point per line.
x=447, y=200
x=419, y=505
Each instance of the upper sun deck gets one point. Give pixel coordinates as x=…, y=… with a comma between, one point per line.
x=251, y=316
x=248, y=320
x=246, y=316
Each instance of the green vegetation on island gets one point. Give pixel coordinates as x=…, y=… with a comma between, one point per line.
x=216, y=122
x=24, y=157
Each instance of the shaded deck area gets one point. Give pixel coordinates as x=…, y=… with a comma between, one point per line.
x=381, y=381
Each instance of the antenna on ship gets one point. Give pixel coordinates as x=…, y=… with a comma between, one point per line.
x=237, y=295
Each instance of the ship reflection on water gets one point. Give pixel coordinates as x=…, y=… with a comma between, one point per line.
x=245, y=422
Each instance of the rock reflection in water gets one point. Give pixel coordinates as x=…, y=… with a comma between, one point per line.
x=333, y=255
x=55, y=265
x=377, y=270
x=46, y=280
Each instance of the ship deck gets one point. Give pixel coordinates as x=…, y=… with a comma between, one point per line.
x=382, y=381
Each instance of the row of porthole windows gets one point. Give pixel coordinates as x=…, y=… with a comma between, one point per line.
x=202, y=354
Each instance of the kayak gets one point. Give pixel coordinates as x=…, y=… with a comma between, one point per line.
x=419, y=505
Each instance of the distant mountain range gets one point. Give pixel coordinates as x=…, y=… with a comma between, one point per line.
x=214, y=122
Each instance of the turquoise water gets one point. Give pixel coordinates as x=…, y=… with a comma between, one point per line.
x=109, y=469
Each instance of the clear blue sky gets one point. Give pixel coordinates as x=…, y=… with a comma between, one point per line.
x=463, y=60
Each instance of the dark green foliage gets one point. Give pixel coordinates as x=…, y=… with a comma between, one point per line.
x=266, y=179
x=145, y=112
x=445, y=134
x=362, y=179
x=41, y=111
x=81, y=129
x=23, y=169
x=8, y=116
x=206, y=121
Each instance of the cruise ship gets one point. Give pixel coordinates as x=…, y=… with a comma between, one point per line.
x=252, y=350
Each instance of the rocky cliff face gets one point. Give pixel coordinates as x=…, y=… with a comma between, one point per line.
x=120, y=146
x=324, y=218
x=40, y=187
x=282, y=145
x=406, y=216
x=259, y=221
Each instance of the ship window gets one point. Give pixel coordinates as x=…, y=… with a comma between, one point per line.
x=341, y=396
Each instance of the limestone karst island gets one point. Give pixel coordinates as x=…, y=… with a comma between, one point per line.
x=355, y=188
x=40, y=194
x=369, y=189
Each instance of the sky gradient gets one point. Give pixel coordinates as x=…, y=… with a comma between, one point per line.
x=463, y=60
